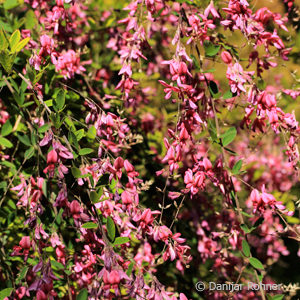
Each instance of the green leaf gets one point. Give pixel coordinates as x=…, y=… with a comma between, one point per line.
x=275, y=297
x=79, y=134
x=14, y=40
x=29, y=153
x=89, y=225
x=5, y=142
x=91, y=134
x=94, y=197
x=55, y=118
x=19, y=98
x=57, y=265
x=3, y=185
x=73, y=140
x=70, y=124
x=22, y=274
x=59, y=101
x=11, y=204
x=245, y=228
x=129, y=270
x=83, y=295
x=59, y=215
x=85, y=151
x=44, y=128
x=33, y=138
x=8, y=165
x=44, y=187
x=9, y=4
x=5, y=293
x=236, y=168
x=256, y=263
x=228, y=95
x=68, y=272
x=21, y=45
x=111, y=229
x=212, y=131
x=211, y=49
x=6, y=128
x=121, y=240
x=246, y=248
x=3, y=41
x=245, y=214
x=229, y=136
x=76, y=172
x=24, y=139
x=30, y=19
x=7, y=60
x=195, y=63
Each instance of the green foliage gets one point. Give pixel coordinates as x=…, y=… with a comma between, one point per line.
x=111, y=229
x=83, y=295
x=246, y=248
x=228, y=136
x=5, y=293
x=256, y=263
x=89, y=225
x=211, y=49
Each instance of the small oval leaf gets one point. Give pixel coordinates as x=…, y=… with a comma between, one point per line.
x=89, y=225
x=14, y=40
x=246, y=248
x=85, y=151
x=83, y=295
x=22, y=44
x=256, y=263
x=121, y=240
x=236, y=168
x=229, y=136
x=111, y=229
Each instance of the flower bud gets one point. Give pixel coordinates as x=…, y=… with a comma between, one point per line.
x=52, y=157
x=25, y=242
x=207, y=164
x=119, y=163
x=74, y=207
x=226, y=57
x=40, y=295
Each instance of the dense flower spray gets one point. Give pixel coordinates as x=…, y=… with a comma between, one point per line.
x=154, y=148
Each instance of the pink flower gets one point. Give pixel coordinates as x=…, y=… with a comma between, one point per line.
x=293, y=93
x=237, y=78
x=194, y=182
x=211, y=10
x=68, y=64
x=169, y=89
x=75, y=207
x=261, y=201
x=126, y=198
x=111, y=278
